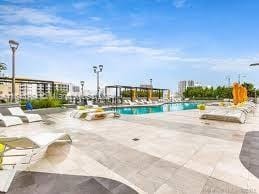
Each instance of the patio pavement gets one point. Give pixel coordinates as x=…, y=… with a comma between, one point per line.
x=174, y=152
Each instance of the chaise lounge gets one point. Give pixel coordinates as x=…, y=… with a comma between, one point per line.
x=7, y=121
x=228, y=115
x=100, y=115
x=35, y=144
x=26, y=117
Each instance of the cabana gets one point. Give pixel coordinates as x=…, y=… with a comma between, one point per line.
x=132, y=92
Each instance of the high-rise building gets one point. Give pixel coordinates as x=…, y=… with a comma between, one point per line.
x=190, y=83
x=183, y=85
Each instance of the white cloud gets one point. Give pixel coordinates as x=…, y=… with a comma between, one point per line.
x=179, y=3
x=48, y=27
x=15, y=14
x=19, y=1
x=81, y=5
x=94, y=18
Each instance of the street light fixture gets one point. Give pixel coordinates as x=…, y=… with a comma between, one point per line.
x=97, y=70
x=239, y=77
x=82, y=87
x=13, y=45
x=151, y=83
x=254, y=64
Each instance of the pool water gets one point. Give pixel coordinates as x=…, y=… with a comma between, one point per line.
x=156, y=109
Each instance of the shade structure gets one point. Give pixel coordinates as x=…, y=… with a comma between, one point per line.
x=235, y=93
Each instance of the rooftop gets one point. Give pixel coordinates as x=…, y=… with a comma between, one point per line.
x=172, y=152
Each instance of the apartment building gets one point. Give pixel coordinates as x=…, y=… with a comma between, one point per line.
x=33, y=88
x=6, y=90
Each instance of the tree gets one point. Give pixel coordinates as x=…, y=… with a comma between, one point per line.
x=250, y=89
x=2, y=67
x=208, y=93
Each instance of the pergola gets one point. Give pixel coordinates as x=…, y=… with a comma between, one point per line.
x=31, y=81
x=134, y=90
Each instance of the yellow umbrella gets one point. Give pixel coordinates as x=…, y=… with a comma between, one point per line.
x=2, y=148
x=245, y=94
x=240, y=94
x=235, y=93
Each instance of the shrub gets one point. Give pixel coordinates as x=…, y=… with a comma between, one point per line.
x=201, y=107
x=44, y=103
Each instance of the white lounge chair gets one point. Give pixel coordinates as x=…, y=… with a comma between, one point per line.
x=35, y=144
x=229, y=115
x=91, y=104
x=100, y=115
x=138, y=102
x=26, y=117
x=82, y=113
x=7, y=121
x=131, y=103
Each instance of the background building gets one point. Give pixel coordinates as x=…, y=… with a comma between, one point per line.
x=74, y=90
x=27, y=90
x=6, y=90
x=183, y=85
x=32, y=88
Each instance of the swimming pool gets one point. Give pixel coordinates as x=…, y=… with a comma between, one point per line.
x=156, y=109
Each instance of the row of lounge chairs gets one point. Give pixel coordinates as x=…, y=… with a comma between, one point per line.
x=139, y=102
x=17, y=117
x=236, y=114
x=31, y=147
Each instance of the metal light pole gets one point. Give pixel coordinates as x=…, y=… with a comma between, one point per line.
x=229, y=80
x=13, y=45
x=239, y=77
x=151, y=82
x=82, y=87
x=97, y=70
x=252, y=65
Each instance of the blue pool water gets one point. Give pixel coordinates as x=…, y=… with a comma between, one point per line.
x=155, y=109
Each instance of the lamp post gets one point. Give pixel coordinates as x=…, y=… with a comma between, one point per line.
x=13, y=45
x=151, y=83
x=239, y=77
x=82, y=87
x=228, y=80
x=253, y=65
x=97, y=70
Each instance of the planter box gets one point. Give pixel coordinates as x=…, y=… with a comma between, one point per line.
x=45, y=111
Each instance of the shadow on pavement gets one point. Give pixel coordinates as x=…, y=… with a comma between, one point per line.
x=249, y=155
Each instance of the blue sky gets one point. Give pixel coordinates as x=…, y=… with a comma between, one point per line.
x=135, y=40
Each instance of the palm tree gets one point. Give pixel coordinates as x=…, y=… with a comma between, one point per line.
x=2, y=67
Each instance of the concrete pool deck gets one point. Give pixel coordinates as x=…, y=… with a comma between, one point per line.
x=173, y=152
